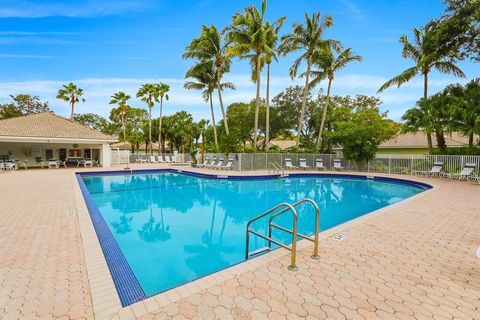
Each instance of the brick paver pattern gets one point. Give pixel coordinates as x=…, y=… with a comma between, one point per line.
x=414, y=261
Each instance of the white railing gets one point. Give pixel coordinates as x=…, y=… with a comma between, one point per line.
x=120, y=156
x=399, y=164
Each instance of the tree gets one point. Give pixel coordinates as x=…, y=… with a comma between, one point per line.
x=205, y=79
x=22, y=105
x=328, y=64
x=93, y=121
x=272, y=39
x=248, y=34
x=426, y=59
x=149, y=93
x=121, y=98
x=71, y=94
x=163, y=93
x=465, y=108
x=210, y=47
x=308, y=38
x=361, y=135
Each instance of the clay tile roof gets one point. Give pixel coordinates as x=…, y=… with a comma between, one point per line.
x=419, y=140
x=49, y=125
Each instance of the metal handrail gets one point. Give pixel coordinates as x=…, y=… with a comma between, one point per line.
x=277, y=167
x=317, y=225
x=293, y=248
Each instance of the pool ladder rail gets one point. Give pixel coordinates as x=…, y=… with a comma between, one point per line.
x=284, y=208
x=275, y=167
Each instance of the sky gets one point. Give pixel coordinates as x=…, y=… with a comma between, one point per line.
x=117, y=45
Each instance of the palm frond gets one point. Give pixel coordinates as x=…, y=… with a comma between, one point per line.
x=402, y=78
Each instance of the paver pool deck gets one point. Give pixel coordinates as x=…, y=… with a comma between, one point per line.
x=416, y=259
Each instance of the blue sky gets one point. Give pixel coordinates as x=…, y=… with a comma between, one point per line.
x=107, y=46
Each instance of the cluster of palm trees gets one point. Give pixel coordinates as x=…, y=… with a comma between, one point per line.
x=250, y=37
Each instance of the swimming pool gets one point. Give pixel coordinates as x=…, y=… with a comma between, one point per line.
x=160, y=229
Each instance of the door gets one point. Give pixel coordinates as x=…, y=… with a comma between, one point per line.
x=62, y=154
x=96, y=155
x=48, y=154
x=87, y=154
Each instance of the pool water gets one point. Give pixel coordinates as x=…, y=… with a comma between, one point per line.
x=173, y=228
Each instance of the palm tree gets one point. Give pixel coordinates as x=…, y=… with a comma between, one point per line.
x=70, y=93
x=209, y=46
x=149, y=93
x=162, y=92
x=328, y=64
x=206, y=80
x=426, y=59
x=272, y=39
x=120, y=98
x=248, y=35
x=307, y=38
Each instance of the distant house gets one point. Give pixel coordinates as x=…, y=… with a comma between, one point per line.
x=416, y=143
x=142, y=147
x=43, y=136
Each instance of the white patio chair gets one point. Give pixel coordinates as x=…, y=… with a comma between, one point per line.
x=436, y=170
x=53, y=165
x=152, y=159
x=229, y=165
x=219, y=164
x=303, y=164
x=319, y=164
x=160, y=159
x=168, y=159
x=205, y=163
x=337, y=165
x=288, y=164
x=467, y=171
x=212, y=163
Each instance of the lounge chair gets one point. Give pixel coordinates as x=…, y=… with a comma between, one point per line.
x=160, y=159
x=152, y=159
x=218, y=165
x=337, y=165
x=205, y=163
x=9, y=166
x=53, y=164
x=288, y=164
x=212, y=163
x=303, y=164
x=229, y=165
x=319, y=164
x=467, y=171
x=474, y=179
x=433, y=172
x=168, y=159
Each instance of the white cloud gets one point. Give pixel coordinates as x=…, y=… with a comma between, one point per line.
x=98, y=92
x=25, y=56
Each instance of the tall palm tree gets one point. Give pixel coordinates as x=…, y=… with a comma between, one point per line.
x=272, y=39
x=163, y=93
x=205, y=79
x=248, y=35
x=210, y=46
x=149, y=93
x=328, y=64
x=309, y=39
x=71, y=94
x=426, y=59
x=120, y=98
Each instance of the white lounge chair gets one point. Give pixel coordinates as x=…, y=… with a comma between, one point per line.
x=436, y=170
x=160, y=159
x=337, y=165
x=10, y=166
x=205, y=163
x=319, y=164
x=152, y=159
x=219, y=164
x=168, y=159
x=213, y=163
x=229, y=165
x=288, y=164
x=474, y=179
x=467, y=171
x=53, y=164
x=303, y=164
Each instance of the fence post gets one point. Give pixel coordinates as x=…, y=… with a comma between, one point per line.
x=389, y=163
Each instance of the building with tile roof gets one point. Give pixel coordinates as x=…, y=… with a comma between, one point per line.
x=37, y=138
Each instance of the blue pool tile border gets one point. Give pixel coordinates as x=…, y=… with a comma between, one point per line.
x=127, y=285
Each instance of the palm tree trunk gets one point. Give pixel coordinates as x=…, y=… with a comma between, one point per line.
x=304, y=100
x=470, y=139
x=425, y=96
x=72, y=102
x=123, y=127
x=324, y=115
x=267, y=111
x=219, y=89
x=257, y=105
x=150, y=128
x=213, y=122
x=160, y=126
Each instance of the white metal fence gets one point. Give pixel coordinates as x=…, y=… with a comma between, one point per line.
x=120, y=156
x=402, y=164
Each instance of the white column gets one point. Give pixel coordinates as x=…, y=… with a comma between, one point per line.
x=106, y=155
